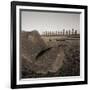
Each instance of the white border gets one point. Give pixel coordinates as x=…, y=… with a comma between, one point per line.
x=53, y=79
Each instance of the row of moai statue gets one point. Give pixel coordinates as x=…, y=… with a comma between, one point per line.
x=64, y=32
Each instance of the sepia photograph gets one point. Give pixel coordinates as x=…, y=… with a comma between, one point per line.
x=49, y=44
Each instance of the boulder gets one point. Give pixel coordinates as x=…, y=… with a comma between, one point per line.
x=31, y=44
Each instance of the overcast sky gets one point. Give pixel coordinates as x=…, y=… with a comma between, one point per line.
x=49, y=21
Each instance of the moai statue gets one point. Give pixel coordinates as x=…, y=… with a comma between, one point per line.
x=75, y=32
x=72, y=31
x=66, y=32
x=63, y=31
x=48, y=33
x=69, y=32
x=59, y=33
x=56, y=32
x=45, y=33
x=52, y=33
